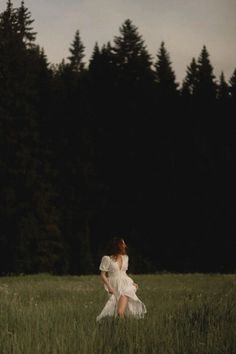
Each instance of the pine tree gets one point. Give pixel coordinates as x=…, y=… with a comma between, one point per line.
x=12, y=57
x=108, y=57
x=129, y=46
x=95, y=58
x=232, y=87
x=223, y=89
x=8, y=21
x=164, y=74
x=206, y=85
x=101, y=64
x=131, y=56
x=26, y=202
x=190, y=81
x=77, y=54
x=24, y=23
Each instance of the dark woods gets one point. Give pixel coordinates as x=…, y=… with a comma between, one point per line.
x=113, y=147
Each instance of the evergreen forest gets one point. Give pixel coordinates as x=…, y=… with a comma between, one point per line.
x=113, y=147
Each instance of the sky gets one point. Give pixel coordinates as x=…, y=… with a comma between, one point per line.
x=184, y=25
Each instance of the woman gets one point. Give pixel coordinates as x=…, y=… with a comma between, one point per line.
x=120, y=287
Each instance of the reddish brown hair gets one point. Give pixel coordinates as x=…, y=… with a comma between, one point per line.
x=115, y=246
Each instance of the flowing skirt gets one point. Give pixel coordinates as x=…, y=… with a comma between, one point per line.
x=123, y=285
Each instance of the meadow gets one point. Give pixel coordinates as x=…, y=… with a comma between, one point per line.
x=187, y=314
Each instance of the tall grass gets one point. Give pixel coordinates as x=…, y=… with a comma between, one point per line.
x=187, y=314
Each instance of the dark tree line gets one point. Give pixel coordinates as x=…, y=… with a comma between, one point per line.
x=113, y=147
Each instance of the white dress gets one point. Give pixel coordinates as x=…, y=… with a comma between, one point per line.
x=123, y=285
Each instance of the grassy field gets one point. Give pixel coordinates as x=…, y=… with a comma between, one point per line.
x=187, y=314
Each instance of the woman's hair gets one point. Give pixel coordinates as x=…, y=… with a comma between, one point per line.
x=115, y=246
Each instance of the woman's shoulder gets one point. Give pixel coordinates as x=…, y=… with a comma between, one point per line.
x=110, y=257
x=106, y=257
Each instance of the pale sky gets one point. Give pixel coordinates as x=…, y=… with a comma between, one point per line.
x=184, y=25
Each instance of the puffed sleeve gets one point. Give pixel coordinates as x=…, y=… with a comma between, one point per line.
x=126, y=262
x=105, y=262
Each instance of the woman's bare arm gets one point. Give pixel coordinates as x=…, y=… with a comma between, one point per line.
x=105, y=280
